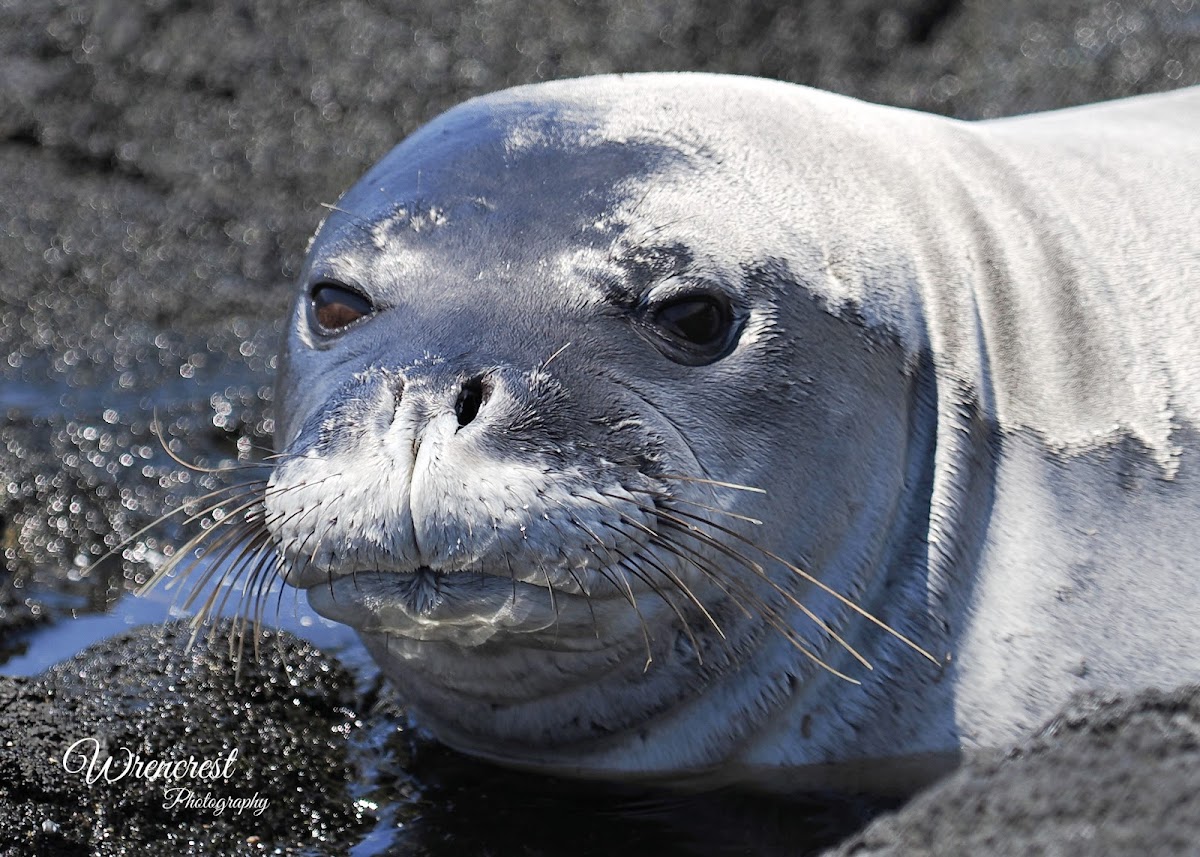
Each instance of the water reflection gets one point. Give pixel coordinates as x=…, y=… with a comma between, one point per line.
x=468, y=807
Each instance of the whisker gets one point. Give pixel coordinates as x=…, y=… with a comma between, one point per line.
x=761, y=572
x=228, y=527
x=228, y=543
x=237, y=539
x=251, y=557
x=235, y=550
x=218, y=552
x=765, y=610
x=587, y=596
x=278, y=556
x=156, y=428
x=676, y=499
x=632, y=599
x=675, y=580
x=629, y=563
x=553, y=356
x=263, y=576
x=361, y=222
x=163, y=518
x=820, y=585
x=253, y=489
x=553, y=599
x=736, y=487
x=628, y=568
x=512, y=576
x=774, y=619
x=248, y=551
x=231, y=535
x=675, y=549
x=671, y=575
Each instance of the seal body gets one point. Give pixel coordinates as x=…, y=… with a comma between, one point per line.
x=656, y=426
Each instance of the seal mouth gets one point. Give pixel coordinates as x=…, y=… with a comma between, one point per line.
x=421, y=591
x=457, y=606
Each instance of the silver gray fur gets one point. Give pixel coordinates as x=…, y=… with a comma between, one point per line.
x=968, y=379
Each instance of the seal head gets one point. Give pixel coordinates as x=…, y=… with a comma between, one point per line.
x=639, y=434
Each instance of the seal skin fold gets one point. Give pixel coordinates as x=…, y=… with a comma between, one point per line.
x=956, y=414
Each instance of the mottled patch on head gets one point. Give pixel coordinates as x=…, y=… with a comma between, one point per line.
x=417, y=216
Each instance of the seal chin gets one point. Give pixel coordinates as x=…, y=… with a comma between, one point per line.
x=461, y=607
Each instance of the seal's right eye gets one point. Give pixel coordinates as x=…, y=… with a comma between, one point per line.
x=333, y=307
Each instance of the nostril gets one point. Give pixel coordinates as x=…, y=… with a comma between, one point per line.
x=397, y=384
x=473, y=396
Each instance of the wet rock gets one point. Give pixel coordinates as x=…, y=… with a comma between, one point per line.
x=1109, y=775
x=278, y=730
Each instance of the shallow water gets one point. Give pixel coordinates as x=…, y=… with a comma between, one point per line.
x=51, y=643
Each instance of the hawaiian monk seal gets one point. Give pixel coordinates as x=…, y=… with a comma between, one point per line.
x=626, y=418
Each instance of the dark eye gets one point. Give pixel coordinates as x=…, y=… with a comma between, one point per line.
x=335, y=307
x=699, y=321
x=698, y=326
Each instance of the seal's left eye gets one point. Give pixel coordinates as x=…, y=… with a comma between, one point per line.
x=335, y=307
x=695, y=328
x=700, y=321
